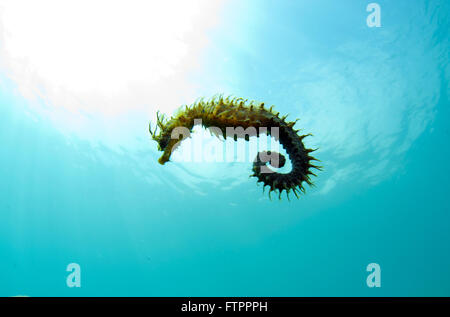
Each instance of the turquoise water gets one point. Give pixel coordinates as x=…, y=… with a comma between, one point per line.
x=376, y=100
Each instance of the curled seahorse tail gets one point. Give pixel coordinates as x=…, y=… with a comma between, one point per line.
x=299, y=156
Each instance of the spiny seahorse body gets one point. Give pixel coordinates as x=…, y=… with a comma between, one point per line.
x=236, y=112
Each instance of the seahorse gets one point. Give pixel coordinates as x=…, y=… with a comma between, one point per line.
x=223, y=112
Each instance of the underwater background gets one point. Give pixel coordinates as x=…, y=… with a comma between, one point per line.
x=79, y=177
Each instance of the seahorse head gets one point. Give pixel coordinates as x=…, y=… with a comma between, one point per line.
x=164, y=138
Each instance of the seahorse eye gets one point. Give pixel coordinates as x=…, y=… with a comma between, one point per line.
x=163, y=142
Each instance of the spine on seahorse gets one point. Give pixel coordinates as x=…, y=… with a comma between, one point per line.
x=236, y=112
